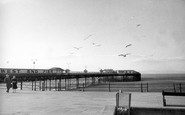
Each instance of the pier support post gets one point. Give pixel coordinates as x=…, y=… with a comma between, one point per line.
x=77, y=83
x=39, y=84
x=55, y=83
x=68, y=84
x=85, y=81
x=109, y=86
x=50, y=84
x=59, y=84
x=35, y=83
x=99, y=78
x=92, y=81
x=32, y=84
x=43, y=85
x=65, y=83
x=46, y=83
x=21, y=83
x=83, y=87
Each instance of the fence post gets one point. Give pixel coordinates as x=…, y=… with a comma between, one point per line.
x=180, y=87
x=141, y=87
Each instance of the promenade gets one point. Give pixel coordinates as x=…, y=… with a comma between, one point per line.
x=26, y=102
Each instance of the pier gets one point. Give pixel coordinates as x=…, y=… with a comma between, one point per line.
x=58, y=79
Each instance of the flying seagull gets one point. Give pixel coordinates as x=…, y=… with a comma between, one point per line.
x=128, y=45
x=77, y=48
x=124, y=55
x=94, y=44
x=87, y=37
x=138, y=25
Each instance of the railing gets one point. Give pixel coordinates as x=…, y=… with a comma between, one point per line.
x=96, y=84
x=114, y=87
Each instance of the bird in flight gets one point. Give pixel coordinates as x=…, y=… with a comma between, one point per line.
x=138, y=25
x=128, y=45
x=77, y=48
x=87, y=37
x=94, y=44
x=124, y=55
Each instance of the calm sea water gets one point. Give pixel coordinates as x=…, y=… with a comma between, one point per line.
x=163, y=76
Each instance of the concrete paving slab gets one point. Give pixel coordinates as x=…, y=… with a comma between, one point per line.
x=27, y=102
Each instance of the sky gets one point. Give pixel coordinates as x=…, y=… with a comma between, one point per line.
x=42, y=34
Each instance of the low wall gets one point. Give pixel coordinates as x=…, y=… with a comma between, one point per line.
x=157, y=111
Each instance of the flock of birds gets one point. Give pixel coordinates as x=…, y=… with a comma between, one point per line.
x=88, y=37
x=125, y=55
x=98, y=45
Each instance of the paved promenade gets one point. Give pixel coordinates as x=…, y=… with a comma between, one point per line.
x=27, y=102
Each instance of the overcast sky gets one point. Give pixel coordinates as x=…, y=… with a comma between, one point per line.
x=46, y=31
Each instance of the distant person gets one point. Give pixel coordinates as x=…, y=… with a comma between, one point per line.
x=14, y=84
x=8, y=83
